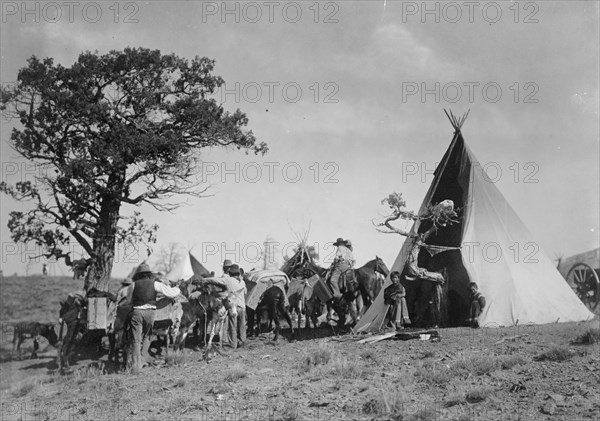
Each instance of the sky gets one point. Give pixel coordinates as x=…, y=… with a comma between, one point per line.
x=349, y=96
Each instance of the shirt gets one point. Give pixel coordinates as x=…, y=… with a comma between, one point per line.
x=236, y=288
x=158, y=287
x=343, y=253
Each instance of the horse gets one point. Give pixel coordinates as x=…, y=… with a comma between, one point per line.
x=356, y=285
x=369, y=283
x=272, y=303
x=205, y=304
x=33, y=330
x=73, y=314
x=303, y=301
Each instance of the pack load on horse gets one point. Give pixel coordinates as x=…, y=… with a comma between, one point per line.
x=267, y=294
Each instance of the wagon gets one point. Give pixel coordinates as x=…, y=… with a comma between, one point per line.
x=582, y=273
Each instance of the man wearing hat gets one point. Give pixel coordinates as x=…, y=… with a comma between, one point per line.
x=226, y=265
x=122, y=292
x=236, y=293
x=141, y=295
x=343, y=261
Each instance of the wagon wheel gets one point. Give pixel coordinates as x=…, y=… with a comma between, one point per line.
x=584, y=281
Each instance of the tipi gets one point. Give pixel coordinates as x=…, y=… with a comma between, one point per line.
x=522, y=288
x=186, y=268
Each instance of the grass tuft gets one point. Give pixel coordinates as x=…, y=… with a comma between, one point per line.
x=509, y=361
x=369, y=354
x=25, y=389
x=478, y=395
x=477, y=365
x=175, y=358
x=342, y=369
x=556, y=354
x=234, y=374
x=388, y=403
x=313, y=358
x=436, y=374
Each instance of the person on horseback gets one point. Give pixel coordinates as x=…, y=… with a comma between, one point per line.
x=343, y=261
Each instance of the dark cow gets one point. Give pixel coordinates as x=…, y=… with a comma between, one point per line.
x=33, y=330
x=272, y=303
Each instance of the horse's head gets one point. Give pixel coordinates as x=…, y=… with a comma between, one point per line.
x=48, y=332
x=381, y=267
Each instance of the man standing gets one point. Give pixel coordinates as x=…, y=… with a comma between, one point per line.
x=344, y=260
x=236, y=294
x=237, y=328
x=141, y=295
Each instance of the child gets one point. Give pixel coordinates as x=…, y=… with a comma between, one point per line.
x=394, y=295
x=477, y=301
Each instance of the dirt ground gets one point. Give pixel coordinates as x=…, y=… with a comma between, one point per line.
x=527, y=372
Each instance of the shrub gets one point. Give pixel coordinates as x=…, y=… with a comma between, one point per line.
x=589, y=337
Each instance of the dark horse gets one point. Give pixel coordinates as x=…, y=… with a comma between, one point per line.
x=354, y=285
x=369, y=283
x=272, y=303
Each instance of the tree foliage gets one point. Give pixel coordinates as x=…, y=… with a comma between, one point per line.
x=123, y=128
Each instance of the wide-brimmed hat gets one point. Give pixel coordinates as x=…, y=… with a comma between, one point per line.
x=142, y=271
x=339, y=241
x=227, y=263
x=126, y=281
x=234, y=270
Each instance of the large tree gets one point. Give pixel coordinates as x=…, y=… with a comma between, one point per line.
x=123, y=128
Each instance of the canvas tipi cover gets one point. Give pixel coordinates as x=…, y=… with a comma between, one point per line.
x=186, y=268
x=522, y=288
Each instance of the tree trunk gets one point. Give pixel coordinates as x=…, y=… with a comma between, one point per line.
x=98, y=275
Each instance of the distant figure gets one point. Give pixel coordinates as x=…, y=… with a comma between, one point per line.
x=477, y=305
x=45, y=269
x=226, y=265
x=395, y=296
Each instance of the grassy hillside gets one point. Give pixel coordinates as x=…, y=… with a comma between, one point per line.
x=36, y=298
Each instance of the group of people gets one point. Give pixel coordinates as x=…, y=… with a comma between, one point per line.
x=141, y=293
x=395, y=296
